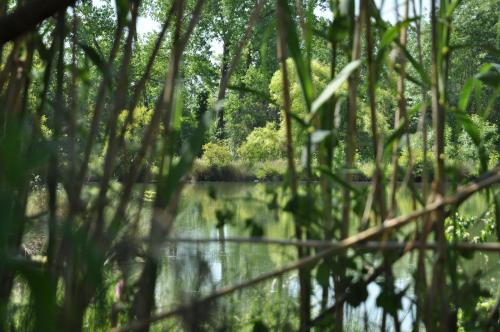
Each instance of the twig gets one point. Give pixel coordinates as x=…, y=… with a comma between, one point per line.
x=372, y=245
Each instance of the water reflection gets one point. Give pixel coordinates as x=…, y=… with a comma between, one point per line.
x=191, y=271
x=230, y=263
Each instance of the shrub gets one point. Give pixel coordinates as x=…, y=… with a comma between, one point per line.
x=271, y=170
x=417, y=152
x=320, y=76
x=418, y=160
x=467, y=151
x=215, y=154
x=234, y=171
x=264, y=143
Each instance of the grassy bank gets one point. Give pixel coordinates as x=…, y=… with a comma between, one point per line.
x=241, y=171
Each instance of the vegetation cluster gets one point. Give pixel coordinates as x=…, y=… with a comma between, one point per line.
x=104, y=124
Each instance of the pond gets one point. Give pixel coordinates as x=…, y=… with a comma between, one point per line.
x=193, y=270
x=190, y=271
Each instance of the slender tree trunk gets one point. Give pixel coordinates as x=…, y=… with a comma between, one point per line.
x=400, y=112
x=350, y=149
x=351, y=118
x=221, y=95
x=379, y=191
x=326, y=159
x=305, y=286
x=437, y=314
x=53, y=173
x=420, y=274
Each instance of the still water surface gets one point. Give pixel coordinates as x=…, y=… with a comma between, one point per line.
x=193, y=270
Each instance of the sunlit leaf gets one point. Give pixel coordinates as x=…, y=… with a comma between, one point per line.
x=334, y=85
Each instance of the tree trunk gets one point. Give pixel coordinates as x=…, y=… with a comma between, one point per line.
x=221, y=95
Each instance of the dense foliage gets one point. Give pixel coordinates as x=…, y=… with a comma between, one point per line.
x=108, y=108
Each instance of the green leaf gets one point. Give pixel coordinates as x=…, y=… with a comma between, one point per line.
x=303, y=207
x=474, y=133
x=469, y=126
x=497, y=217
x=401, y=129
x=261, y=94
x=393, y=32
x=465, y=94
x=414, y=80
x=177, y=110
x=357, y=293
x=490, y=75
x=273, y=204
x=491, y=102
x=339, y=29
x=451, y=7
x=334, y=85
x=170, y=182
x=96, y=59
x=418, y=67
x=299, y=120
x=323, y=274
x=396, y=135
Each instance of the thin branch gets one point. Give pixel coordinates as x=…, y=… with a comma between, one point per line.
x=372, y=245
x=350, y=150
x=304, y=282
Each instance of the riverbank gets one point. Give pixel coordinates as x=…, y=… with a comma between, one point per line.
x=238, y=170
x=264, y=171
